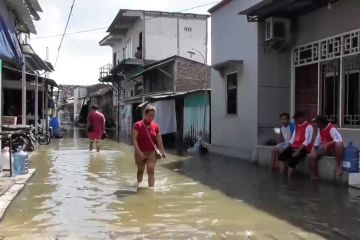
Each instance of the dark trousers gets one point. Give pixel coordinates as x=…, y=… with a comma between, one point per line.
x=287, y=156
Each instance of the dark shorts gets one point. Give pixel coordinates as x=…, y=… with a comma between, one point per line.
x=286, y=156
x=321, y=151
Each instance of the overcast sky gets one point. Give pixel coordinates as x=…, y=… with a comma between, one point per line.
x=81, y=56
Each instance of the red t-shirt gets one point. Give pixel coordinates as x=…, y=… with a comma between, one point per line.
x=143, y=139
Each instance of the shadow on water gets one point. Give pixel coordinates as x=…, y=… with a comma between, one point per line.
x=328, y=210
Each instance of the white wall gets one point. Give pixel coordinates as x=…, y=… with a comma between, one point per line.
x=161, y=38
x=274, y=87
x=233, y=38
x=133, y=34
x=195, y=39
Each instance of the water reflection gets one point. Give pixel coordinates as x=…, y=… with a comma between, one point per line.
x=80, y=195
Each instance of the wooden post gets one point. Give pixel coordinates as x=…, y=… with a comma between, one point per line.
x=23, y=89
x=36, y=102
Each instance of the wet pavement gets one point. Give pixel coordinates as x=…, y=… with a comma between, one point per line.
x=80, y=195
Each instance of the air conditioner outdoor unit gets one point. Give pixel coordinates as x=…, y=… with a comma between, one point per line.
x=277, y=32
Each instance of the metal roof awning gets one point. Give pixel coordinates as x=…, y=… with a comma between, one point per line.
x=228, y=63
x=15, y=73
x=51, y=82
x=34, y=61
x=282, y=8
x=151, y=67
x=100, y=92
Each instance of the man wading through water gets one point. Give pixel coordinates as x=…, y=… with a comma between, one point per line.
x=148, y=145
x=96, y=128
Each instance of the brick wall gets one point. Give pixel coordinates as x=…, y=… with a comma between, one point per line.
x=191, y=75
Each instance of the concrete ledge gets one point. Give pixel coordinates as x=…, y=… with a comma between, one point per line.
x=231, y=152
x=326, y=165
x=16, y=184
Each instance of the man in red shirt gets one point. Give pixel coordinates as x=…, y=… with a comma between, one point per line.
x=96, y=127
x=328, y=142
x=300, y=144
x=147, y=139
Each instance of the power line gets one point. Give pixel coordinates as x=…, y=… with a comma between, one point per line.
x=71, y=33
x=101, y=28
x=63, y=36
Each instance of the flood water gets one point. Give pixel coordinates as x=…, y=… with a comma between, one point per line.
x=80, y=195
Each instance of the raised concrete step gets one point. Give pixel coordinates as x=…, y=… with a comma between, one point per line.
x=326, y=165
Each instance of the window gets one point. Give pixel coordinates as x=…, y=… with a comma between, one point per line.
x=352, y=91
x=231, y=93
x=330, y=90
x=187, y=29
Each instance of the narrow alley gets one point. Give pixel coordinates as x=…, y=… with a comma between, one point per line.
x=80, y=195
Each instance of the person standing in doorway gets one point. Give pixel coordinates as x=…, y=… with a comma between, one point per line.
x=96, y=128
x=148, y=145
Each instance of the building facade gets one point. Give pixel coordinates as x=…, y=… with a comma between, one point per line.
x=311, y=65
x=25, y=93
x=140, y=40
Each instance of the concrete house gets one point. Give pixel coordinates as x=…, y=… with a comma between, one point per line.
x=139, y=38
x=282, y=56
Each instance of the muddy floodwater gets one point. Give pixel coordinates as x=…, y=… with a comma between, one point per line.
x=80, y=195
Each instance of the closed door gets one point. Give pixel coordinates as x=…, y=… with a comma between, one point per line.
x=306, y=90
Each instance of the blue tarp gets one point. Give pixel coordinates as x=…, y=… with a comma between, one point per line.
x=9, y=44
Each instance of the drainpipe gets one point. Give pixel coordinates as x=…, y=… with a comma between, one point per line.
x=23, y=90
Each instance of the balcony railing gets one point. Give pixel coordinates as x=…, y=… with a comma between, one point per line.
x=105, y=71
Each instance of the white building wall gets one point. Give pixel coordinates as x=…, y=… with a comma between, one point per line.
x=196, y=38
x=162, y=33
x=233, y=38
x=133, y=34
x=160, y=38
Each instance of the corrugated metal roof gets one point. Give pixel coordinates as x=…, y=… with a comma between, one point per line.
x=23, y=14
x=100, y=92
